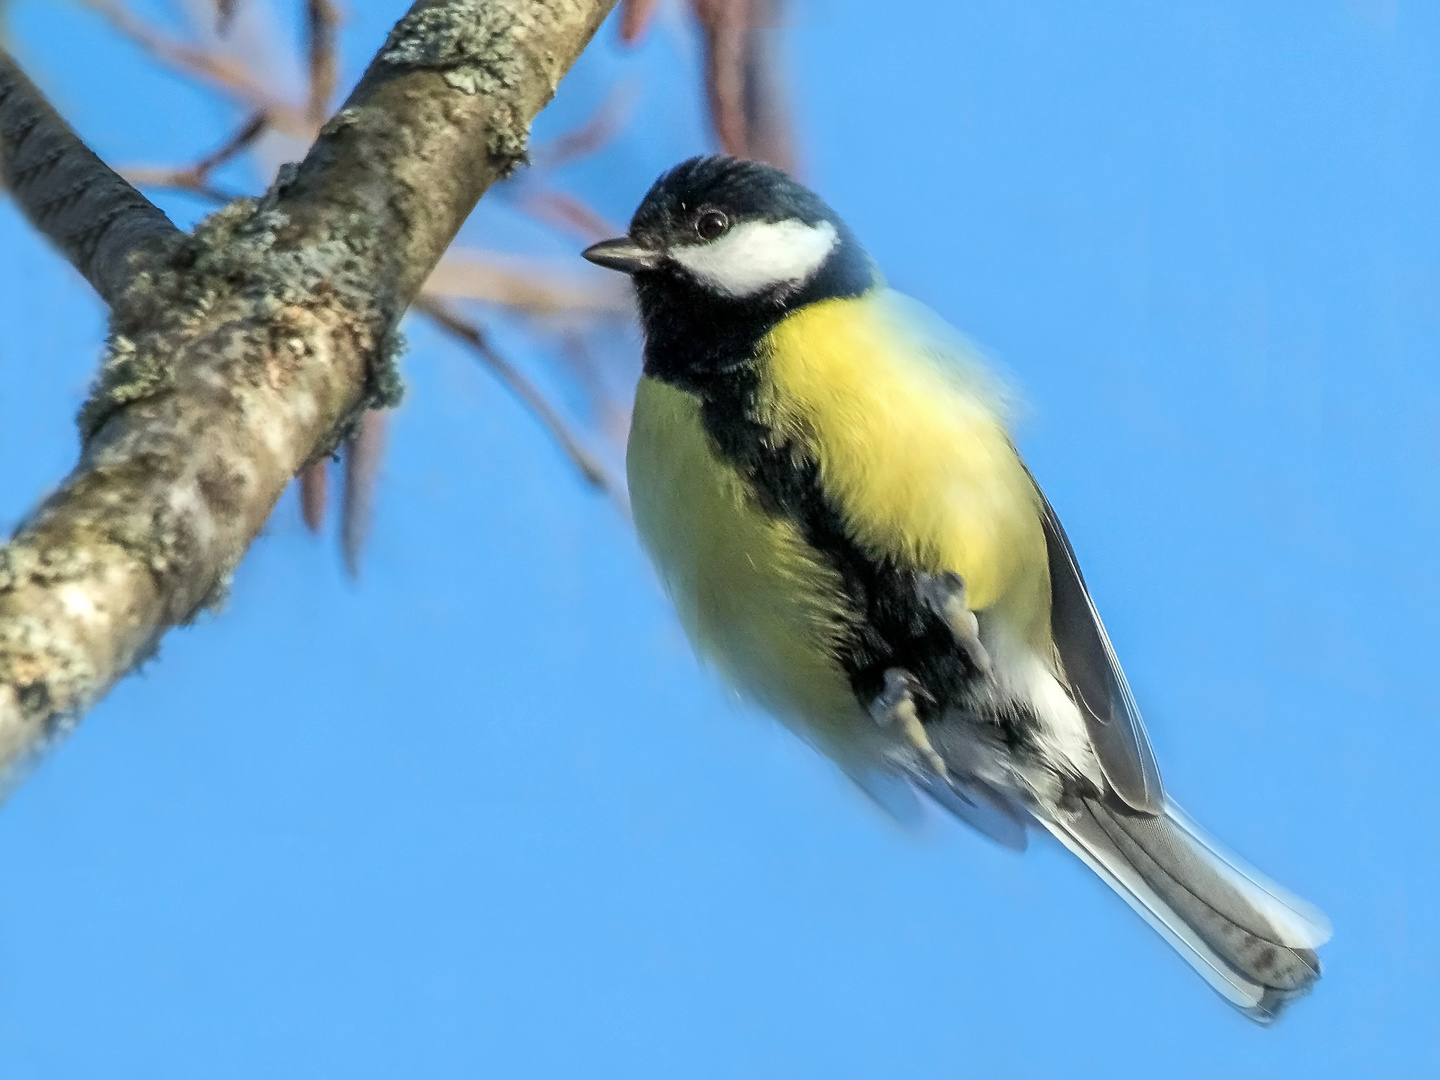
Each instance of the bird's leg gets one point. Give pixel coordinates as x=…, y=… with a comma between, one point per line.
x=944, y=594
x=894, y=707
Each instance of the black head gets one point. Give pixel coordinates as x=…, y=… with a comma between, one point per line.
x=720, y=249
x=721, y=245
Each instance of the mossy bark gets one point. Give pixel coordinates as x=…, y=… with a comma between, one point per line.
x=241, y=352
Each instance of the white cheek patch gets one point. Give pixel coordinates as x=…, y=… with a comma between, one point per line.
x=759, y=255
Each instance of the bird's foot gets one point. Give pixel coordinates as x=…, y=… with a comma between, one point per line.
x=944, y=594
x=894, y=708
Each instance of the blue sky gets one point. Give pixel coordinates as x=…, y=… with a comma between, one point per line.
x=484, y=815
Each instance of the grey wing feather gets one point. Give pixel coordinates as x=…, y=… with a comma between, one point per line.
x=1096, y=681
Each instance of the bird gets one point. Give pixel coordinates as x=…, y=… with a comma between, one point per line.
x=822, y=473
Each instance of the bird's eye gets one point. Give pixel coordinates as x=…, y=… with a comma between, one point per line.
x=711, y=224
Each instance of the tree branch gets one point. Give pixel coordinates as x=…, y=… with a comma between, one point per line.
x=88, y=211
x=256, y=345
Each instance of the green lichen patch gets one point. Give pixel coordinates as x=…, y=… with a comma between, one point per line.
x=52, y=678
x=233, y=273
x=472, y=44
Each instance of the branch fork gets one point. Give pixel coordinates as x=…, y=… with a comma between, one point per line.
x=238, y=354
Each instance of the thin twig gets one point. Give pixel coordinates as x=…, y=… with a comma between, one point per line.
x=769, y=129
x=176, y=180
x=567, y=213
x=225, y=15
x=597, y=132
x=321, y=21
x=457, y=326
x=314, y=482
x=363, y=453
x=746, y=93
x=726, y=27
x=613, y=417
x=229, y=76
x=634, y=18
x=196, y=178
x=238, y=143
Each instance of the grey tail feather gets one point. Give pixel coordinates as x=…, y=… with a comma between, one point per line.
x=1246, y=937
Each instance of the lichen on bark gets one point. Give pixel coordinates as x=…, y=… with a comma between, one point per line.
x=242, y=351
x=231, y=261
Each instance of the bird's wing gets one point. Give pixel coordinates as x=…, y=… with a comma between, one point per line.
x=1096, y=681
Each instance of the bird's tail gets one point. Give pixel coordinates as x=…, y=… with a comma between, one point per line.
x=1249, y=939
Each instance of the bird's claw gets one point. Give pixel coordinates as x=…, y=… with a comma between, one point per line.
x=894, y=709
x=944, y=594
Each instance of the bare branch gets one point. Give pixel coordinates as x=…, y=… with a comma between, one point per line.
x=96, y=219
x=460, y=328
x=321, y=21
x=252, y=348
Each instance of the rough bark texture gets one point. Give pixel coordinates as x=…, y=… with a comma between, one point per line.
x=251, y=346
x=96, y=219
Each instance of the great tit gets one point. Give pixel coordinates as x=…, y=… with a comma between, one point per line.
x=822, y=474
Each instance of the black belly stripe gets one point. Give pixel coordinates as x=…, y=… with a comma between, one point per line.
x=711, y=347
x=892, y=626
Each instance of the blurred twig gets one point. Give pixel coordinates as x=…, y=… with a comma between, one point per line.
x=460, y=328
x=229, y=76
x=225, y=15
x=597, y=132
x=613, y=418
x=314, y=489
x=635, y=16
x=321, y=21
x=196, y=178
x=567, y=213
x=743, y=79
x=363, y=453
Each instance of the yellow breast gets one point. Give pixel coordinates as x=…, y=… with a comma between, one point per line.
x=911, y=440
x=748, y=590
